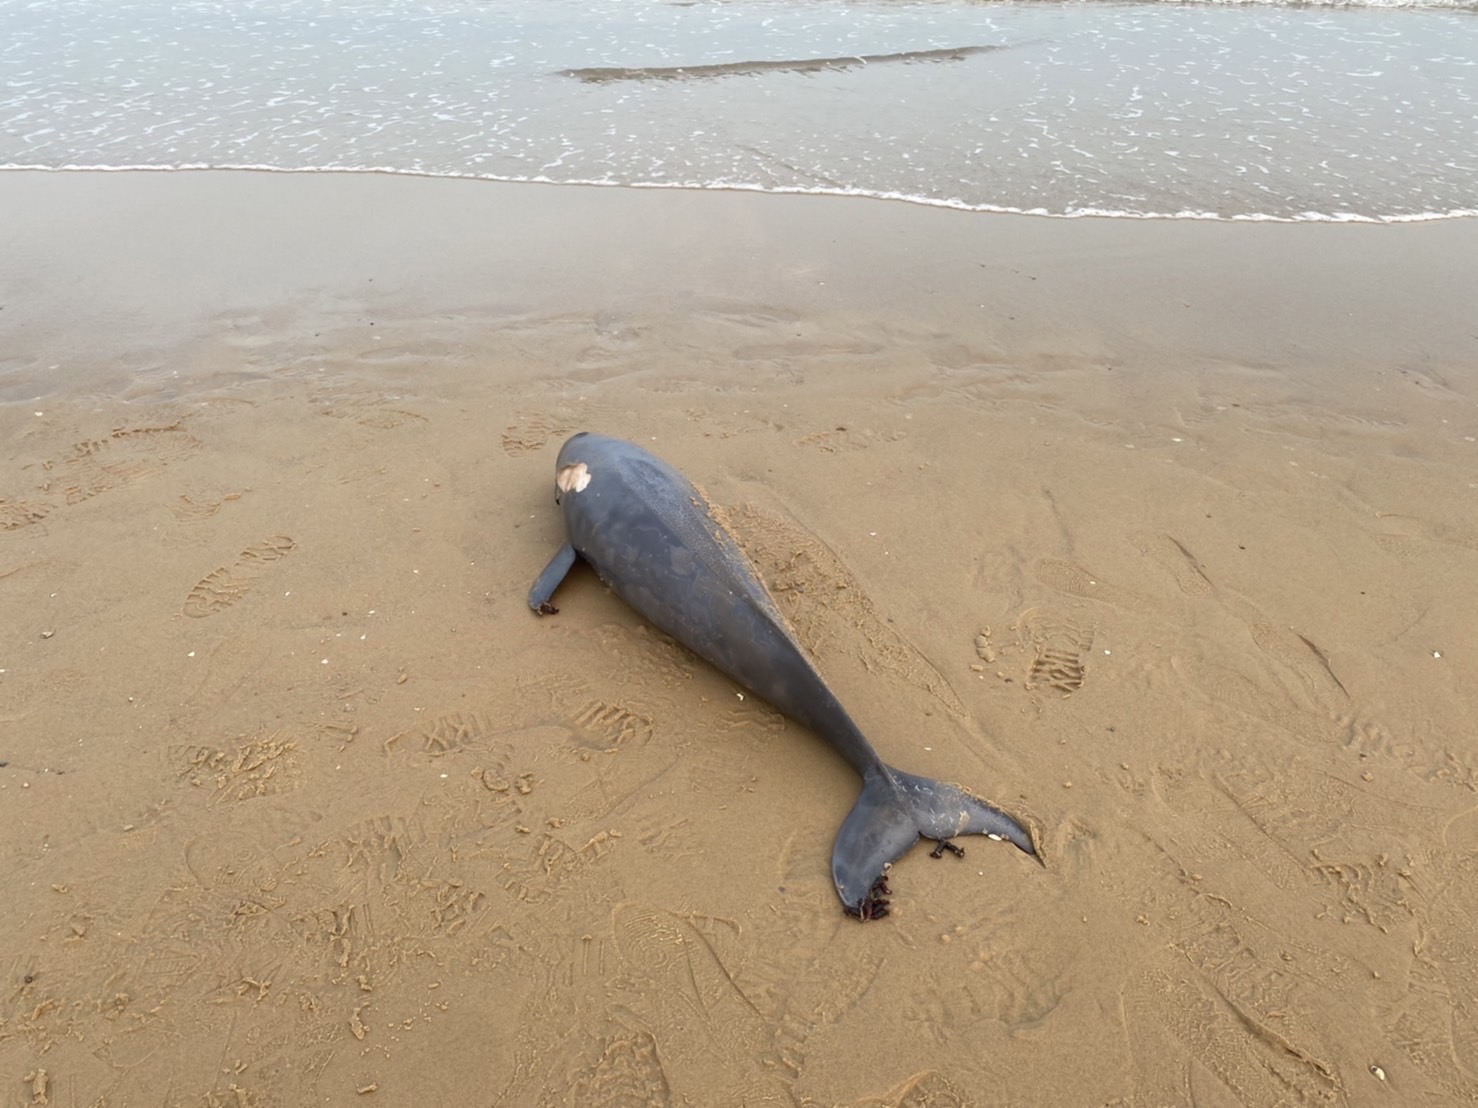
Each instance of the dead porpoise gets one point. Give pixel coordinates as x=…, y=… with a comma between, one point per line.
x=650, y=536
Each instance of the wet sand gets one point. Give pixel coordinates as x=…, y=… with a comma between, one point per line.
x=1159, y=535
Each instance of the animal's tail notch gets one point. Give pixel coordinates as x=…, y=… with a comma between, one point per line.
x=895, y=810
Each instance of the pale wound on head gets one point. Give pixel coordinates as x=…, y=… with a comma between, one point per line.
x=572, y=478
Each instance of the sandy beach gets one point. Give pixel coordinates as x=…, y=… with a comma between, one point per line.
x=1158, y=534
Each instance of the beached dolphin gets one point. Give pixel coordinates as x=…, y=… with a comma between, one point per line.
x=650, y=536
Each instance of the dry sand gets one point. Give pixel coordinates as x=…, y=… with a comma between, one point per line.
x=1159, y=535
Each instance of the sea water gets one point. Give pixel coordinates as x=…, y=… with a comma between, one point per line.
x=1221, y=110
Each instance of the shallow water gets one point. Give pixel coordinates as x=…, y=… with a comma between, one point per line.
x=1223, y=110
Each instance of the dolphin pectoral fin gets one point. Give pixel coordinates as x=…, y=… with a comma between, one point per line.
x=554, y=573
x=894, y=811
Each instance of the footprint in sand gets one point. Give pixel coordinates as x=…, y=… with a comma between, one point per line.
x=447, y=733
x=192, y=509
x=15, y=514
x=95, y=466
x=628, y=1071
x=605, y=728
x=531, y=431
x=262, y=765
x=366, y=407
x=1071, y=579
x=223, y=587
x=1059, y=646
x=846, y=440
x=1175, y=559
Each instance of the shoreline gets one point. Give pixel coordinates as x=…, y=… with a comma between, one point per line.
x=777, y=190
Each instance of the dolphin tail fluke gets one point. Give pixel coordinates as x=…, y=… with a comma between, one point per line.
x=895, y=810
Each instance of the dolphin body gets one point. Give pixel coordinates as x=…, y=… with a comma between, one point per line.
x=650, y=536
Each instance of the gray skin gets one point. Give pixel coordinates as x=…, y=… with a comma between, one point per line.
x=650, y=536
